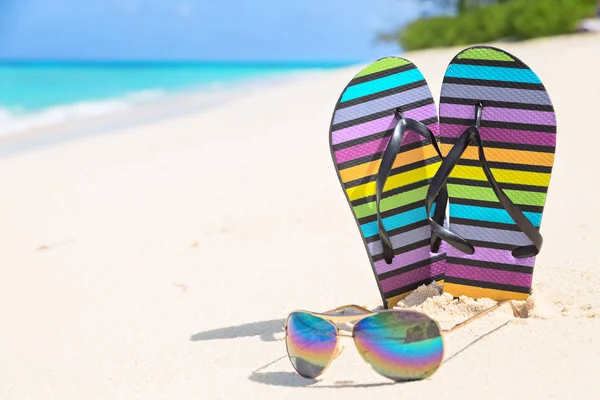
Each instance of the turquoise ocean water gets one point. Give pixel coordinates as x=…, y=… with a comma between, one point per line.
x=38, y=94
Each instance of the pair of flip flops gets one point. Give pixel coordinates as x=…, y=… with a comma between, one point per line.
x=489, y=158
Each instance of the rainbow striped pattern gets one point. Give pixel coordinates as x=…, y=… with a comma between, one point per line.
x=362, y=124
x=518, y=131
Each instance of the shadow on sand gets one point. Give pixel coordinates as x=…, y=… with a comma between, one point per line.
x=292, y=379
x=265, y=329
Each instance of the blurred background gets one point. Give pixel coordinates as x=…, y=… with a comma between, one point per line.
x=65, y=60
x=168, y=195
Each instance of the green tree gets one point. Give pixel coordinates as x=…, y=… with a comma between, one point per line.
x=480, y=21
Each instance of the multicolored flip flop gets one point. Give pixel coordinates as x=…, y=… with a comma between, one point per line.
x=384, y=147
x=498, y=132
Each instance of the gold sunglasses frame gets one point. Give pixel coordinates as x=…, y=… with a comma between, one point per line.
x=334, y=320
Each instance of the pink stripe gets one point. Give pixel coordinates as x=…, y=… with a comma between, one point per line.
x=492, y=255
x=503, y=135
x=499, y=114
x=372, y=147
x=380, y=125
x=404, y=259
x=419, y=274
x=489, y=275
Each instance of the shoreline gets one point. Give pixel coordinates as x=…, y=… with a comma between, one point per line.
x=170, y=105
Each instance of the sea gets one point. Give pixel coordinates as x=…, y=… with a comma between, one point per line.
x=40, y=94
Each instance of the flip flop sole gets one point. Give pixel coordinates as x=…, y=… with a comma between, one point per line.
x=362, y=124
x=518, y=131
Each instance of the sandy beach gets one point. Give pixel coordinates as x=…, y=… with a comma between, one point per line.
x=159, y=261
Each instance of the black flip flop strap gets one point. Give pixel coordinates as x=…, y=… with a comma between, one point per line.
x=439, y=183
x=387, y=161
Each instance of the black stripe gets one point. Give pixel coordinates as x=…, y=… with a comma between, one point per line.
x=381, y=74
x=490, y=265
x=377, y=135
x=498, y=104
x=400, y=251
x=358, y=161
x=395, y=171
x=504, y=186
x=520, y=146
x=411, y=267
x=491, y=204
x=490, y=63
x=501, y=125
x=390, y=193
x=506, y=145
x=383, y=113
x=398, y=231
x=502, y=84
x=484, y=224
x=412, y=286
x=378, y=155
x=389, y=213
x=487, y=285
x=385, y=93
x=364, y=139
x=492, y=245
x=510, y=166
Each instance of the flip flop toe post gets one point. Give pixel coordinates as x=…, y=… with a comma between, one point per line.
x=385, y=166
x=516, y=138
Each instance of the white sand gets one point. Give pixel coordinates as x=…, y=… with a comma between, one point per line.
x=159, y=262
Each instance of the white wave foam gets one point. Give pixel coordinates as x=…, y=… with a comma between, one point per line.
x=11, y=122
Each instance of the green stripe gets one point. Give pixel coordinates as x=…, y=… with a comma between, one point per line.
x=487, y=194
x=484, y=54
x=389, y=203
x=382, y=65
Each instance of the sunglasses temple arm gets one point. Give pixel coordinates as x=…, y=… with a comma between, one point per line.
x=481, y=314
x=342, y=308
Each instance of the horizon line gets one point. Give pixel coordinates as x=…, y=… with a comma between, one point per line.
x=180, y=62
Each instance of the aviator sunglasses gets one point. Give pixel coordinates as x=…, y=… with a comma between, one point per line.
x=401, y=345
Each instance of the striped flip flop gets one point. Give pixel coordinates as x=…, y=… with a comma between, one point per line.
x=498, y=132
x=383, y=143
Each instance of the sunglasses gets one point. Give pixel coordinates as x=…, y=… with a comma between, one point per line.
x=401, y=345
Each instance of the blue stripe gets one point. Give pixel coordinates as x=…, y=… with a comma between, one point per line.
x=489, y=214
x=381, y=84
x=492, y=73
x=396, y=221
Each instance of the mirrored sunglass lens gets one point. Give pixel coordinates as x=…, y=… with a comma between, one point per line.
x=401, y=345
x=311, y=342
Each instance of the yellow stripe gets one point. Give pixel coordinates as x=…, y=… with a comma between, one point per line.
x=371, y=168
x=477, y=293
x=502, y=175
x=395, y=181
x=507, y=156
x=393, y=301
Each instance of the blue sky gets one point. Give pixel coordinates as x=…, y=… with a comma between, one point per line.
x=311, y=30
